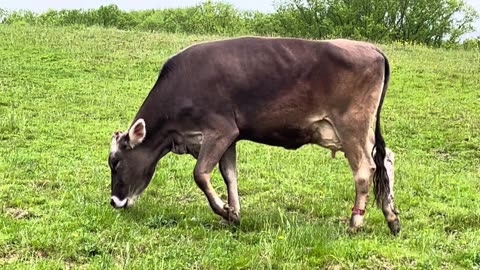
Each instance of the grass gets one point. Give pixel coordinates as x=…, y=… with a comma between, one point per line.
x=63, y=91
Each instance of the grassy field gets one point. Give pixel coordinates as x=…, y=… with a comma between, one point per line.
x=63, y=91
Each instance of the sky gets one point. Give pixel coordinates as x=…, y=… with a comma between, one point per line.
x=261, y=5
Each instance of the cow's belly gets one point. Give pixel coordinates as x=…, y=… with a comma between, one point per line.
x=286, y=137
x=320, y=131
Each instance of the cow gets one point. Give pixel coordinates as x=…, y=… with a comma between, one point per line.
x=283, y=92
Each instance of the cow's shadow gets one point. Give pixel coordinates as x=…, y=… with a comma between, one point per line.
x=252, y=221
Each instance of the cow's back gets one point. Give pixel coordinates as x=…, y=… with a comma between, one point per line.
x=270, y=85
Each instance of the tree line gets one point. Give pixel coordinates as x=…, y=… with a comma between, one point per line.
x=433, y=23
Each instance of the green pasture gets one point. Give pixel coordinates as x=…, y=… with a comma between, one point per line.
x=63, y=91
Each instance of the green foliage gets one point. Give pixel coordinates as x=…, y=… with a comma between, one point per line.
x=3, y=14
x=431, y=22
x=471, y=44
x=205, y=18
x=63, y=91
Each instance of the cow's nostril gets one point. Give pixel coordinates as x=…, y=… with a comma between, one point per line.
x=112, y=203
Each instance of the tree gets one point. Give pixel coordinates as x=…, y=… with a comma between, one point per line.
x=431, y=22
x=3, y=14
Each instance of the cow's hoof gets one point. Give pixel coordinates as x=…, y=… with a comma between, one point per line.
x=394, y=226
x=356, y=221
x=356, y=224
x=232, y=217
x=232, y=220
x=354, y=230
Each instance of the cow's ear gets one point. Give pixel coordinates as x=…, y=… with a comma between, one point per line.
x=137, y=133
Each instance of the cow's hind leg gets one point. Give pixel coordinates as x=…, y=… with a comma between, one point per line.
x=363, y=166
x=359, y=155
x=228, y=169
x=389, y=210
x=213, y=148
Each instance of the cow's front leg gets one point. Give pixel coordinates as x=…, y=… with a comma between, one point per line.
x=212, y=150
x=228, y=169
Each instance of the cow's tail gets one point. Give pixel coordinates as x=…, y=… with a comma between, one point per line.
x=381, y=185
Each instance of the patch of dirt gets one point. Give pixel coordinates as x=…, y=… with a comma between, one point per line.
x=40, y=253
x=9, y=258
x=17, y=213
x=335, y=267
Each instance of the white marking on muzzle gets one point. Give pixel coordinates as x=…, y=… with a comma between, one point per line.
x=119, y=203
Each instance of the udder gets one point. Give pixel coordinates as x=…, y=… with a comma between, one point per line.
x=325, y=134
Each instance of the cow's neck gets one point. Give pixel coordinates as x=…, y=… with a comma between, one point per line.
x=157, y=139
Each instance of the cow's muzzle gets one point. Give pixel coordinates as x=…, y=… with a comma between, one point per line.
x=117, y=203
x=127, y=202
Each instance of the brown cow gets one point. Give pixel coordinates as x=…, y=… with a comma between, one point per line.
x=276, y=91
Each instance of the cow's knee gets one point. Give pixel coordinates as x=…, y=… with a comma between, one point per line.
x=201, y=179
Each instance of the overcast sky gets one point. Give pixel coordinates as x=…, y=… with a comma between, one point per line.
x=262, y=5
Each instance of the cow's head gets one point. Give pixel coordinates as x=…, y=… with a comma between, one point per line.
x=131, y=165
